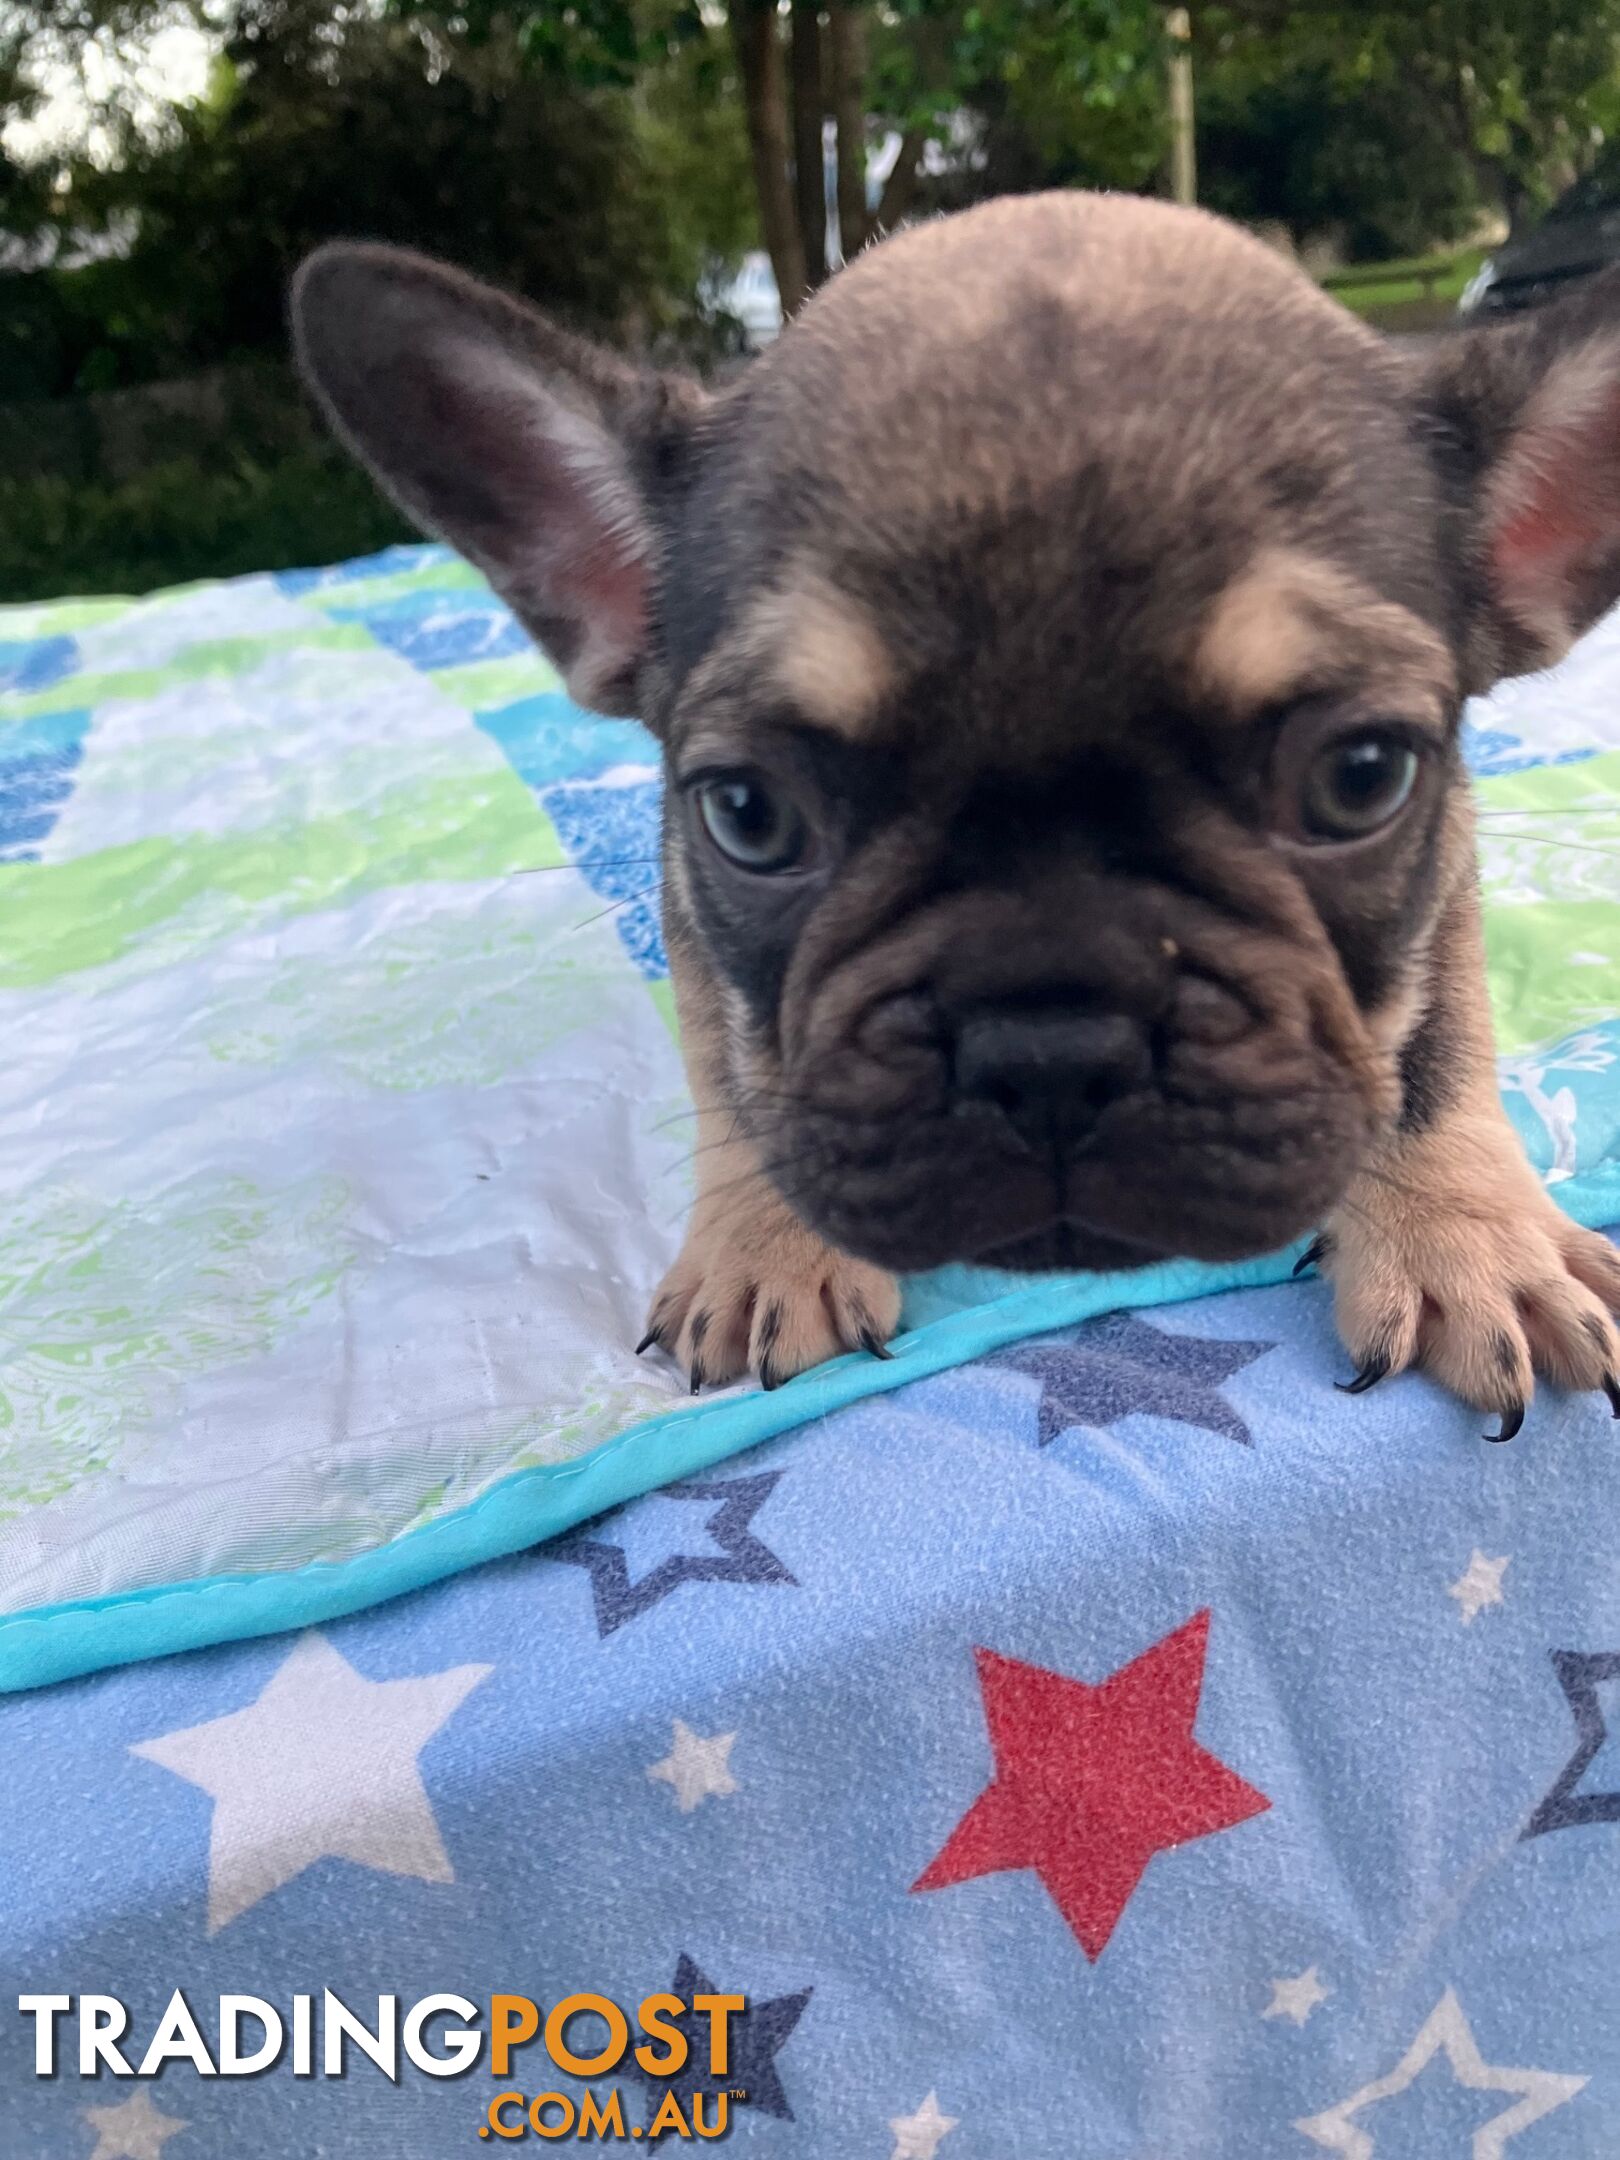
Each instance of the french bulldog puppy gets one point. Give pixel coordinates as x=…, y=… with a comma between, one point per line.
x=1057, y=642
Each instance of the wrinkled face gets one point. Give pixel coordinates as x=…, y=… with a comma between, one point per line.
x=1057, y=642
x=1123, y=986
x=1062, y=821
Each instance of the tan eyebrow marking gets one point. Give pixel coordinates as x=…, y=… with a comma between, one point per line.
x=822, y=651
x=1291, y=623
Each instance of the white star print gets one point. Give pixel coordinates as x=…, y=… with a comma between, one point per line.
x=136, y=2130
x=1297, y=1998
x=1479, y=1585
x=917, y=2137
x=696, y=1768
x=1447, y=2032
x=322, y=1766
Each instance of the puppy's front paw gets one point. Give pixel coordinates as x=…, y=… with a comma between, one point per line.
x=1485, y=1288
x=755, y=1291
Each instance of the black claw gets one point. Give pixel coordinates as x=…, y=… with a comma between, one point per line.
x=770, y=1327
x=769, y=1377
x=1611, y=1388
x=1313, y=1255
x=871, y=1340
x=1371, y=1373
x=652, y=1336
x=1511, y=1421
x=697, y=1375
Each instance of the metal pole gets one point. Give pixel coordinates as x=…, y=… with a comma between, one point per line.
x=1183, y=156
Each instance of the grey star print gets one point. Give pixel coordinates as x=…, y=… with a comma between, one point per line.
x=742, y=1558
x=1580, y=1675
x=1118, y=1365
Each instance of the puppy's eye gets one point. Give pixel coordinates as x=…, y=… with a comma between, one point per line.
x=1355, y=785
x=752, y=822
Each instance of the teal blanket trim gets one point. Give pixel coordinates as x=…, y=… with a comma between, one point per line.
x=61, y=1642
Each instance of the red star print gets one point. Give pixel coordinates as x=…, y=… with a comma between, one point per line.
x=1091, y=1782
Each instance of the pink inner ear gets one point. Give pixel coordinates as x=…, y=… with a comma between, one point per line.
x=552, y=514
x=1560, y=513
x=593, y=571
x=605, y=583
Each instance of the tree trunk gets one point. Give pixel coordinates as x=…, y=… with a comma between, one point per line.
x=846, y=30
x=764, y=81
x=901, y=186
x=1499, y=183
x=809, y=107
x=1518, y=192
x=1518, y=203
x=1183, y=151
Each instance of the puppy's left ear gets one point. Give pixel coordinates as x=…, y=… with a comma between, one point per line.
x=544, y=459
x=1527, y=421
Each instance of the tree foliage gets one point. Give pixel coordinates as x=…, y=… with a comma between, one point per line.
x=323, y=120
x=1054, y=92
x=1521, y=92
x=603, y=154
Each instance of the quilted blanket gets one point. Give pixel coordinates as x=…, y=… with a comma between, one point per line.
x=1119, y=1748
x=342, y=1126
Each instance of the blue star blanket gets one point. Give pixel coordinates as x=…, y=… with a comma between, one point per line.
x=343, y=1130
x=1121, y=1746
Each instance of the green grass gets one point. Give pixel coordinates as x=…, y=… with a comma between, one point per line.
x=1373, y=288
x=186, y=519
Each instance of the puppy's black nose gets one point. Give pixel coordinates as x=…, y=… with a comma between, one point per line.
x=1049, y=1069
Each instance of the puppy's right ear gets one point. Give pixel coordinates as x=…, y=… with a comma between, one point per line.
x=527, y=449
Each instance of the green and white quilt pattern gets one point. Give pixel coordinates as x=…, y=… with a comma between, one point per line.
x=343, y=1133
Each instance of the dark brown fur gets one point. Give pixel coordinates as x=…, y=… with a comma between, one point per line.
x=1034, y=566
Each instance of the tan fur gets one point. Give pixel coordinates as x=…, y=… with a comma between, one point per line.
x=1434, y=950
x=802, y=641
x=1448, y=1251
x=1389, y=1024
x=1292, y=624
x=822, y=651
x=753, y=1290
x=1257, y=641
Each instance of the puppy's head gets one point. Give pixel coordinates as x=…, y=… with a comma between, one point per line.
x=1057, y=640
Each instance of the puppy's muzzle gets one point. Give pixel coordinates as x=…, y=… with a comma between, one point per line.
x=1049, y=1069
x=1096, y=1074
